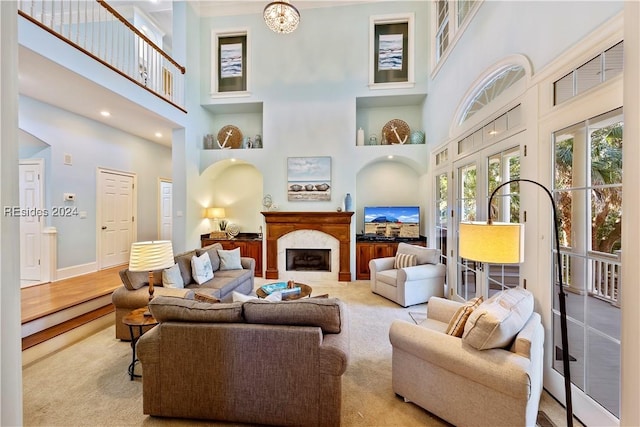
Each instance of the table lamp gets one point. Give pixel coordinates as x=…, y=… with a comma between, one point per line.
x=217, y=214
x=150, y=256
x=503, y=243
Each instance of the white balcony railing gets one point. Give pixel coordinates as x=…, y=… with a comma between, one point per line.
x=98, y=30
x=604, y=275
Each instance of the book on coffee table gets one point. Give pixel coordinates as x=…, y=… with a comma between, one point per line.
x=289, y=292
x=274, y=287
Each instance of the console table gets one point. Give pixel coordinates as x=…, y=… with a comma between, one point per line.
x=366, y=250
x=249, y=243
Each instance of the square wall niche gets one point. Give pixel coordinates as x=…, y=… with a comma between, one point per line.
x=245, y=116
x=373, y=112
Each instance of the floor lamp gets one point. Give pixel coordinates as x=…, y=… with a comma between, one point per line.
x=503, y=243
x=150, y=256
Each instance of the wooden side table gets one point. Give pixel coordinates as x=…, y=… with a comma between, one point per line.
x=138, y=324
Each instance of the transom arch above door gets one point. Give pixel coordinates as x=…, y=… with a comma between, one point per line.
x=495, y=87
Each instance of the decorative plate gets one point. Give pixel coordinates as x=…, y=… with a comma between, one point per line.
x=229, y=137
x=396, y=131
x=233, y=229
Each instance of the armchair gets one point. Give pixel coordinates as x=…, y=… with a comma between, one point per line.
x=408, y=285
x=448, y=376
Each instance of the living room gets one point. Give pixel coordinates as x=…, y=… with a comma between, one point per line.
x=310, y=106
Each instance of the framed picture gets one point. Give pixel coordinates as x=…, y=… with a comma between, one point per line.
x=309, y=178
x=391, y=58
x=230, y=64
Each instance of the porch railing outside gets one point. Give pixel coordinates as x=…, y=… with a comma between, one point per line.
x=98, y=30
x=604, y=275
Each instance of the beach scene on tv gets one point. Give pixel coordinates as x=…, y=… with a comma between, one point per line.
x=392, y=221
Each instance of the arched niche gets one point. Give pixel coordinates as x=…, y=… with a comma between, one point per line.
x=237, y=186
x=399, y=181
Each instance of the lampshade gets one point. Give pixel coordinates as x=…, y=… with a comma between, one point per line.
x=152, y=255
x=216, y=213
x=281, y=16
x=497, y=243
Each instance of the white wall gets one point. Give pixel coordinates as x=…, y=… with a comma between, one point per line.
x=10, y=348
x=540, y=30
x=92, y=145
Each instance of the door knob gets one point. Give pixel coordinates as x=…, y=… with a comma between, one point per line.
x=104, y=227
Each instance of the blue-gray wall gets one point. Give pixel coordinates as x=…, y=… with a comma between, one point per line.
x=92, y=145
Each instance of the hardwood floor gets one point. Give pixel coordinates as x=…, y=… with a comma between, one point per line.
x=40, y=301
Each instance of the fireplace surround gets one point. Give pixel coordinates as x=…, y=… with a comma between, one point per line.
x=336, y=224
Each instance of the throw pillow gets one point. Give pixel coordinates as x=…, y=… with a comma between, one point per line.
x=238, y=297
x=459, y=319
x=206, y=298
x=230, y=259
x=172, y=278
x=201, y=268
x=496, y=322
x=405, y=260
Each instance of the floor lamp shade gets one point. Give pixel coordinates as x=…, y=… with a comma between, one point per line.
x=496, y=243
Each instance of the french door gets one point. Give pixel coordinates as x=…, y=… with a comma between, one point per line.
x=475, y=177
x=587, y=188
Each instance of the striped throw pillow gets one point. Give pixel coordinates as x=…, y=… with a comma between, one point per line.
x=405, y=260
x=457, y=322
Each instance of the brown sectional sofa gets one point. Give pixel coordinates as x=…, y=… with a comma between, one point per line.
x=134, y=292
x=257, y=362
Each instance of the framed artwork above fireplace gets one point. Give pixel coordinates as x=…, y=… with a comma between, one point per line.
x=309, y=179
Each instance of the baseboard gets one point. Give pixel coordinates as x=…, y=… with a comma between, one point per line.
x=76, y=270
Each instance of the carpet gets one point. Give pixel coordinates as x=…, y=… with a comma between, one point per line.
x=87, y=383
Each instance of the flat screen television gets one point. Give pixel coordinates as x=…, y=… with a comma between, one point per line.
x=392, y=221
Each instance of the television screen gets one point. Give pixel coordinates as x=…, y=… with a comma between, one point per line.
x=392, y=221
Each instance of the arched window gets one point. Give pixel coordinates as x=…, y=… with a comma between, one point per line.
x=495, y=84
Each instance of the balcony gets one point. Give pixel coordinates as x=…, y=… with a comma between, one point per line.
x=99, y=31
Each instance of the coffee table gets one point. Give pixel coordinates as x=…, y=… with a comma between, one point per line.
x=305, y=291
x=137, y=322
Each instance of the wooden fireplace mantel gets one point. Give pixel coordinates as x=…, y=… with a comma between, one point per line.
x=336, y=224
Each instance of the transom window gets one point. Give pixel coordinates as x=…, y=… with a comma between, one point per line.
x=597, y=70
x=497, y=84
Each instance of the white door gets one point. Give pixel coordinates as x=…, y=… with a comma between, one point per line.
x=476, y=178
x=165, y=220
x=116, y=208
x=30, y=223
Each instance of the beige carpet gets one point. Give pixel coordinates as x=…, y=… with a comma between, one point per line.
x=87, y=384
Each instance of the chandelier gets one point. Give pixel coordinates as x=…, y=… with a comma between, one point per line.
x=281, y=16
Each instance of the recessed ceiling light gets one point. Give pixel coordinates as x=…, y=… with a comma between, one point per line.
x=390, y=156
x=233, y=159
x=105, y=113
x=158, y=135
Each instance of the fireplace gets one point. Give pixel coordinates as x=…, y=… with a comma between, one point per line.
x=308, y=260
x=335, y=224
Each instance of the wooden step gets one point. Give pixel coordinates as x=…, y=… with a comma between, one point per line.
x=61, y=328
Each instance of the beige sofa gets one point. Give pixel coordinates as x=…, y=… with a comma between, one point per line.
x=452, y=379
x=257, y=362
x=134, y=292
x=409, y=285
